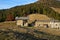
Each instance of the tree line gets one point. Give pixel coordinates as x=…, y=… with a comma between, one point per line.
x=24, y=10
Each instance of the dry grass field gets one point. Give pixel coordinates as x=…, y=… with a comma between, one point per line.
x=50, y=31
x=56, y=9
x=33, y=17
x=8, y=24
x=28, y=33
x=12, y=25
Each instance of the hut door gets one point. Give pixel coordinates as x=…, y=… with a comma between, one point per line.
x=46, y=25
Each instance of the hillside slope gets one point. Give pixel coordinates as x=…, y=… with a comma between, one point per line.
x=34, y=17
x=54, y=4
x=25, y=10
x=56, y=9
x=12, y=32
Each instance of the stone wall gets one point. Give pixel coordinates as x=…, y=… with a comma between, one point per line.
x=20, y=22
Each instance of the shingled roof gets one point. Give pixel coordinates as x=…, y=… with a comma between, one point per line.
x=21, y=18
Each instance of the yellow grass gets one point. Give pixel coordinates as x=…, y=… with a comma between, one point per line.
x=8, y=24
x=56, y=9
x=50, y=31
x=13, y=26
x=33, y=17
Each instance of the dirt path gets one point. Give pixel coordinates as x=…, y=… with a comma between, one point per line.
x=56, y=9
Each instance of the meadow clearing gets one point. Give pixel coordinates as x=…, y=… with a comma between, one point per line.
x=10, y=31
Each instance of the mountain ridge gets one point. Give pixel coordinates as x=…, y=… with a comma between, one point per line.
x=24, y=10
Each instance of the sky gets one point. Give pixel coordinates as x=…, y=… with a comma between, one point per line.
x=5, y=4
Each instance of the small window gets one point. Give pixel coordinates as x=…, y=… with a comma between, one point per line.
x=56, y=24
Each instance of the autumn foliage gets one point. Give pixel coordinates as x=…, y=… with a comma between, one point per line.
x=9, y=17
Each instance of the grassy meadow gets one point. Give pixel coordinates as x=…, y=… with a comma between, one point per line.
x=10, y=31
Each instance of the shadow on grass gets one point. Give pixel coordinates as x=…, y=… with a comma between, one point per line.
x=14, y=35
x=40, y=32
x=47, y=35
